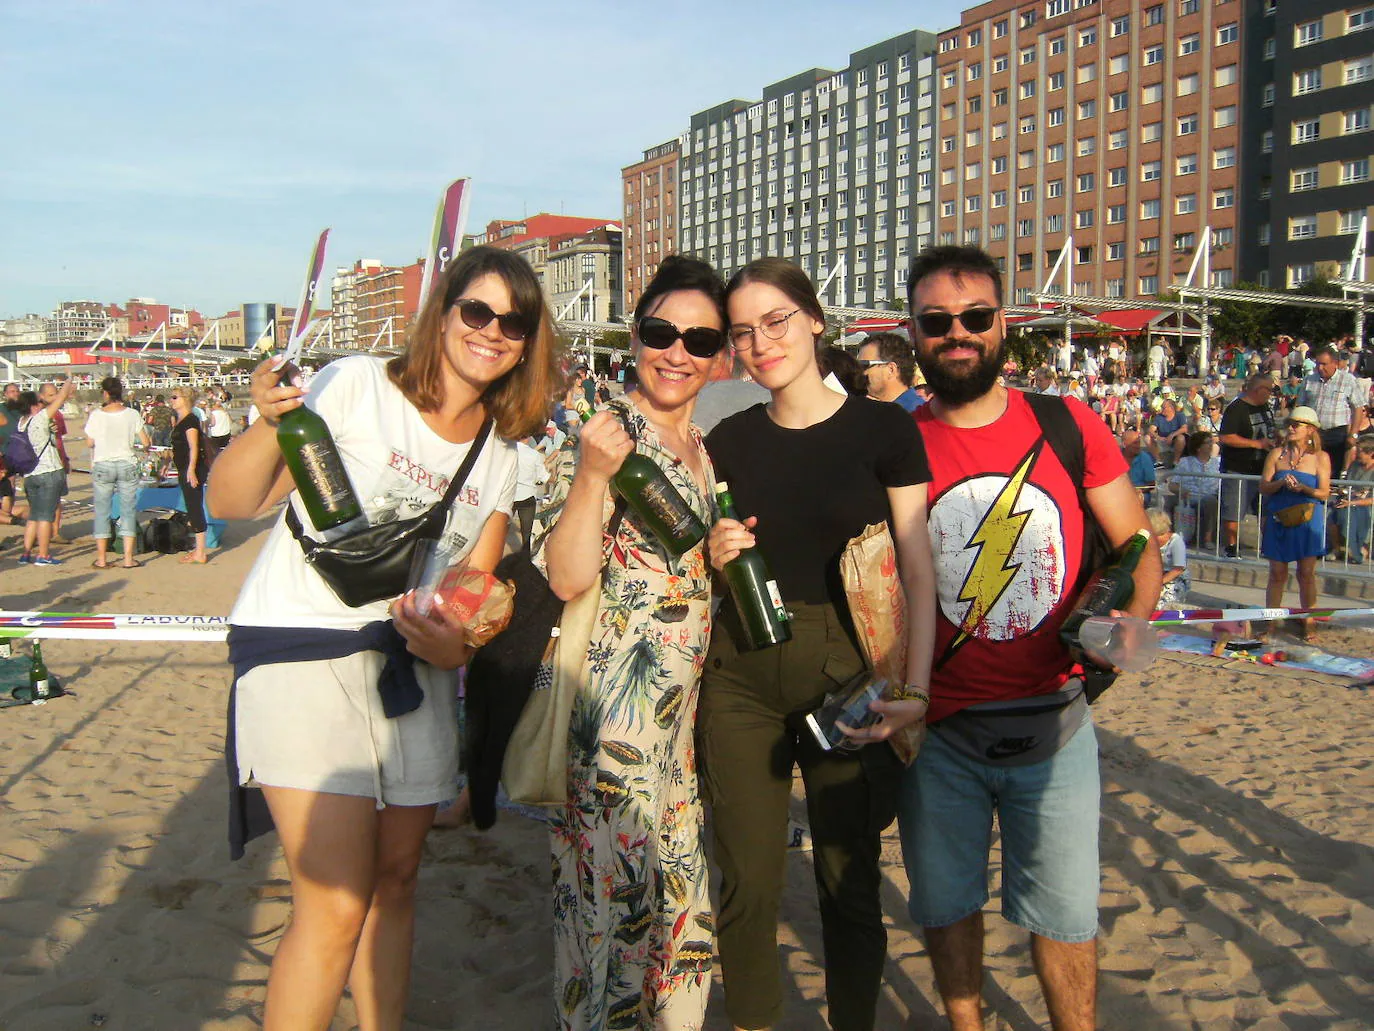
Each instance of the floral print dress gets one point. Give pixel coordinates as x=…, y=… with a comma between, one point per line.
x=633, y=928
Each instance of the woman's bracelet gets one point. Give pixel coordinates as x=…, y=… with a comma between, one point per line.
x=910, y=693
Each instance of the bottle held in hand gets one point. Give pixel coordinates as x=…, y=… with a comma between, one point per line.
x=1110, y=588
x=313, y=459
x=753, y=589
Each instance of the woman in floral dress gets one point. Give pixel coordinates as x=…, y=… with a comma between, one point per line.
x=632, y=923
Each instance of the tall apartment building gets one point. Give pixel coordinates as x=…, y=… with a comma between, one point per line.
x=650, y=206
x=1310, y=145
x=76, y=322
x=572, y=261
x=384, y=303
x=826, y=166
x=1116, y=122
x=343, y=300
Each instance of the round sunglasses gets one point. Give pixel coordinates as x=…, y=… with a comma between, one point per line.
x=699, y=341
x=478, y=315
x=939, y=323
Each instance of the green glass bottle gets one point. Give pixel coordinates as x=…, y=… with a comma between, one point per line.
x=755, y=592
x=38, y=675
x=652, y=496
x=1111, y=587
x=313, y=458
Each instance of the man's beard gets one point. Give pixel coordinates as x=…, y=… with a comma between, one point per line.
x=963, y=381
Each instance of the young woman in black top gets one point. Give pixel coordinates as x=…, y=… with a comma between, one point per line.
x=809, y=471
x=189, y=457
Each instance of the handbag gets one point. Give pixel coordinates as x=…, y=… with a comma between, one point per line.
x=1296, y=515
x=534, y=761
x=375, y=562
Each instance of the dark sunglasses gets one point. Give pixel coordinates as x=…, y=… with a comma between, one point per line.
x=938, y=323
x=700, y=342
x=871, y=363
x=478, y=315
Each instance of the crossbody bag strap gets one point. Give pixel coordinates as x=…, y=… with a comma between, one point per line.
x=435, y=516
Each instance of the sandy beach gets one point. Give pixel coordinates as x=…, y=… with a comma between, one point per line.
x=1238, y=849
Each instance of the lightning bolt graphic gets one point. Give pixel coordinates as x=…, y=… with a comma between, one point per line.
x=992, y=570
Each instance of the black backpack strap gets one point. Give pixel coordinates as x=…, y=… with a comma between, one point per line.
x=436, y=515
x=1062, y=435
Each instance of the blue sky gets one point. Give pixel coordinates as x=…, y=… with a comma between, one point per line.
x=191, y=152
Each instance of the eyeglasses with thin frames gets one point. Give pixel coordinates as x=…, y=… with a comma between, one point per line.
x=774, y=327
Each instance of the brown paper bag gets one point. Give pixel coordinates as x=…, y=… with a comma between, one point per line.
x=877, y=604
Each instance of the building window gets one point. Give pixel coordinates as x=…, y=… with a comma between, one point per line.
x=1151, y=132
x=1086, y=182
x=1189, y=44
x=1153, y=55
x=1056, y=81
x=1356, y=121
x=1083, y=219
x=1054, y=117
x=1263, y=236
x=1185, y=204
x=1054, y=152
x=1186, y=7
x=947, y=209
x=1054, y=188
x=1185, y=165
x=973, y=138
x=1054, y=224
x=1359, y=70
x=997, y=232
x=1226, y=75
x=999, y=198
x=1087, y=109
x=1356, y=171
x=975, y=71
x=999, y=29
x=1187, y=125
x=1087, y=145
x=972, y=236
x=1361, y=19
x=999, y=164
x=1026, y=124
x=1224, y=157
x=1025, y=227
x=973, y=204
x=1087, y=72
x=1087, y=38
x=1120, y=101
x=1187, y=85
x=1309, y=80
x=1149, y=171
x=1054, y=8
x=1116, y=176
x=1025, y=194
x=1119, y=64
x=1300, y=227
x=1268, y=51
x=1307, y=131
x=972, y=170
x=1149, y=286
x=1350, y=221
x=999, y=63
x=1154, y=15
x=1225, y=198
x=1149, y=245
x=1115, y=287
x=1149, y=209
x=1028, y=55
x=1227, y=34
x=1056, y=45
x=1083, y=255
x=1121, y=26
x=1027, y=89
x=1152, y=94
x=1307, y=32
x=1117, y=139
x=1298, y=275
x=1267, y=95
x=1116, y=214
x=999, y=97
x=1267, y=141
x=1223, y=278
x=1025, y=158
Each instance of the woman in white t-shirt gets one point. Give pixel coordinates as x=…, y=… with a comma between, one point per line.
x=113, y=430
x=350, y=751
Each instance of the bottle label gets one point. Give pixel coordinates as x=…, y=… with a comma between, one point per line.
x=40, y=688
x=660, y=498
x=775, y=596
x=326, y=472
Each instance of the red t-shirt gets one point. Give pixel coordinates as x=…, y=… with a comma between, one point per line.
x=1007, y=532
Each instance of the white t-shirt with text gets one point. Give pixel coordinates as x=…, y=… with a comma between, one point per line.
x=399, y=468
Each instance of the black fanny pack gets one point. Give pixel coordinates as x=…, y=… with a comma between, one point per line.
x=375, y=562
x=1016, y=733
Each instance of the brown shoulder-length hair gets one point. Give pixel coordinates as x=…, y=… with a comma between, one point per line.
x=785, y=276
x=520, y=401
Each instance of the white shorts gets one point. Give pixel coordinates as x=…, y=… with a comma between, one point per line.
x=319, y=726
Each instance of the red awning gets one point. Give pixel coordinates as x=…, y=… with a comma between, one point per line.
x=1129, y=320
x=876, y=325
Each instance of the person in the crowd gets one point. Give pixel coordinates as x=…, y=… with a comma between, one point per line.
x=1358, y=505
x=344, y=716
x=160, y=419
x=890, y=368
x=9, y=412
x=47, y=482
x=193, y=466
x=1169, y=432
x=1140, y=464
x=1295, y=483
x=809, y=471
x=1339, y=401
x=530, y=477
x=220, y=428
x=632, y=917
x=1247, y=434
x=841, y=371
x=9, y=514
x=1174, y=583
x=113, y=430
x=999, y=656
x=1197, y=483
x=550, y=440
x=1046, y=381
x=46, y=394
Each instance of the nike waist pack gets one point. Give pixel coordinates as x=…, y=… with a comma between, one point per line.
x=1017, y=733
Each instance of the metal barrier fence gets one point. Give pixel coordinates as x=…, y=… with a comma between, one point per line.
x=1201, y=504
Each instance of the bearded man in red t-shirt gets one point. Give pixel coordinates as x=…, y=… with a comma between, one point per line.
x=1010, y=729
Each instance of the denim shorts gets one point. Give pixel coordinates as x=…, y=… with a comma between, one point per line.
x=1048, y=816
x=44, y=491
x=1238, y=499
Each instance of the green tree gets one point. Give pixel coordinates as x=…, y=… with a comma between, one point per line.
x=1315, y=325
x=1237, y=322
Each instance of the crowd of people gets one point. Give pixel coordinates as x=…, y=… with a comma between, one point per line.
x=342, y=723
